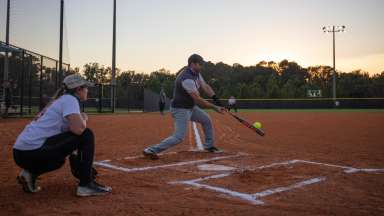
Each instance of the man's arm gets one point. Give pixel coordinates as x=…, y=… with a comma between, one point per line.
x=203, y=103
x=190, y=87
x=207, y=89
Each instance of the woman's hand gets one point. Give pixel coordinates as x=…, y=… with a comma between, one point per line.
x=84, y=116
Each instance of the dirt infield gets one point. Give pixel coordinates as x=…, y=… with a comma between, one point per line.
x=309, y=163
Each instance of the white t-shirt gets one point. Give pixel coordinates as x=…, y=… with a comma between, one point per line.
x=231, y=101
x=52, y=122
x=191, y=86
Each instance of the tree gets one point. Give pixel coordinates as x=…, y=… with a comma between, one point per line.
x=273, y=87
x=98, y=74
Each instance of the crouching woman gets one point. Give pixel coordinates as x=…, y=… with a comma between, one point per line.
x=60, y=130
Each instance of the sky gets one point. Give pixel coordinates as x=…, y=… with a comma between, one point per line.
x=154, y=34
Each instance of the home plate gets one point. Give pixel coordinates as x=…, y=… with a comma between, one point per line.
x=215, y=167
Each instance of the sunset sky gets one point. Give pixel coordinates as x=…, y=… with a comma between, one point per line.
x=154, y=34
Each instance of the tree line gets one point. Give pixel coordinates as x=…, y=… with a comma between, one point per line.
x=285, y=79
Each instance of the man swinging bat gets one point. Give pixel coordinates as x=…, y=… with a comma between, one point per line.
x=186, y=105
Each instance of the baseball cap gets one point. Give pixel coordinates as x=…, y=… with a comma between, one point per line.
x=75, y=80
x=195, y=58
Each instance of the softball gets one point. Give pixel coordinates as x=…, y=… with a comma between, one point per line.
x=257, y=125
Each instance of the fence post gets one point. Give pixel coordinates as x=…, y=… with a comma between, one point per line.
x=30, y=84
x=22, y=83
x=100, y=97
x=57, y=76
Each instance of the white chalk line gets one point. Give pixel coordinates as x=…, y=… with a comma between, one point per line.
x=288, y=188
x=243, y=196
x=203, y=178
x=254, y=198
x=275, y=164
x=199, y=144
x=347, y=169
x=138, y=169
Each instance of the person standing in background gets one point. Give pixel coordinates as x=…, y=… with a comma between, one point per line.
x=162, y=100
x=8, y=97
x=232, y=103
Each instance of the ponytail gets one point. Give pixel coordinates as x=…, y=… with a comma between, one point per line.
x=59, y=92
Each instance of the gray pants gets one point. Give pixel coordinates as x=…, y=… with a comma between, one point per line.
x=181, y=118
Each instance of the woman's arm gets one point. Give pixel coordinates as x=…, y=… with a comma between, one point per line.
x=77, y=124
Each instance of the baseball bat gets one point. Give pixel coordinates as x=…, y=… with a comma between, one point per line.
x=247, y=124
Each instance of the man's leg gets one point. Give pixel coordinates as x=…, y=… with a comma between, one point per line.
x=198, y=115
x=181, y=118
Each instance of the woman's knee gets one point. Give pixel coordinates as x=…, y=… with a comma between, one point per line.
x=87, y=137
x=88, y=133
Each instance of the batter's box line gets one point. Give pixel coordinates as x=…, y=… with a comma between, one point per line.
x=108, y=165
x=252, y=198
x=255, y=197
x=347, y=169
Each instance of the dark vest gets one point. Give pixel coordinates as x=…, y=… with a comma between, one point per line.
x=181, y=98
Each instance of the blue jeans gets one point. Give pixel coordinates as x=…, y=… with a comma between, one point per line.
x=181, y=119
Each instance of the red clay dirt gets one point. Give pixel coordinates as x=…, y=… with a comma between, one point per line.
x=353, y=139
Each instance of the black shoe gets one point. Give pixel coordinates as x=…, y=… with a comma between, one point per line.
x=150, y=154
x=93, y=189
x=214, y=150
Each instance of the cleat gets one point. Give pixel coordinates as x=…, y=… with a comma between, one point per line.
x=150, y=154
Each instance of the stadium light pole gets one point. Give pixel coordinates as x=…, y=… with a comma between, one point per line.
x=113, y=80
x=61, y=41
x=333, y=30
x=5, y=75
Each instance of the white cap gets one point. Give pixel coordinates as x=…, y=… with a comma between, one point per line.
x=75, y=80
